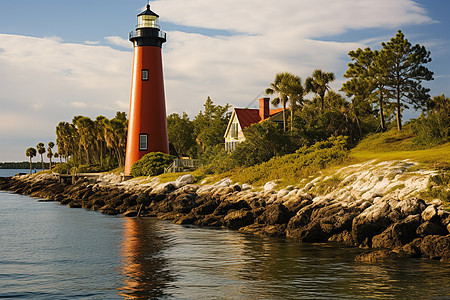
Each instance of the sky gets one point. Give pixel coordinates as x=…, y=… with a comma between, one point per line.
x=61, y=58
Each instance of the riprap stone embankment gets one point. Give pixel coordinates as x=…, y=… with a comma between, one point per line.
x=372, y=206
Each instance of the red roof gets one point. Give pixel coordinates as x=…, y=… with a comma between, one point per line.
x=249, y=116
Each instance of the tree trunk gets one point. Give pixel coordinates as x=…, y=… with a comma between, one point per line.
x=42, y=162
x=284, y=116
x=383, y=126
x=30, y=166
x=399, y=117
x=292, y=115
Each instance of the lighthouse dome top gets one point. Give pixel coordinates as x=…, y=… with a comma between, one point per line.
x=148, y=12
x=148, y=19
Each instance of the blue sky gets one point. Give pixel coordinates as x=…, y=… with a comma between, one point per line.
x=61, y=58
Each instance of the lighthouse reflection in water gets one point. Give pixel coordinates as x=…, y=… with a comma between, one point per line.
x=164, y=260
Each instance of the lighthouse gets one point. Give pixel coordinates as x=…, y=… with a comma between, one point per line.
x=147, y=127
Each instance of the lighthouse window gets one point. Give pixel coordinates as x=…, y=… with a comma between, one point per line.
x=144, y=75
x=143, y=142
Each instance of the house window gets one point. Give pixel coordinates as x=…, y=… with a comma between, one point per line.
x=144, y=75
x=143, y=142
x=234, y=130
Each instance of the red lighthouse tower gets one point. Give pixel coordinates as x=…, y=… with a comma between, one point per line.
x=147, y=127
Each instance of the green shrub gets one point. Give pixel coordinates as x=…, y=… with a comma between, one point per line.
x=293, y=167
x=151, y=164
x=439, y=188
x=63, y=168
x=262, y=142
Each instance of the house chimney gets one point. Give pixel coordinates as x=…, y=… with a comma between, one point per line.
x=264, y=109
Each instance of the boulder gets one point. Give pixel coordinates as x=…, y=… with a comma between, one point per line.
x=206, y=208
x=430, y=214
x=130, y=213
x=186, y=219
x=436, y=247
x=371, y=221
x=238, y=218
x=397, y=234
x=184, y=203
x=430, y=228
x=185, y=179
x=143, y=199
x=224, y=207
x=380, y=255
x=269, y=186
x=410, y=207
x=344, y=237
x=274, y=214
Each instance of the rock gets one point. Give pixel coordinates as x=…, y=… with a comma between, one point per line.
x=274, y=214
x=411, y=250
x=430, y=213
x=282, y=193
x=344, y=237
x=380, y=255
x=226, y=182
x=239, y=218
x=184, y=180
x=410, y=207
x=430, y=228
x=225, y=206
x=264, y=230
x=335, y=218
x=269, y=186
x=311, y=233
x=299, y=221
x=246, y=187
x=397, y=234
x=210, y=220
x=184, y=203
x=371, y=221
x=436, y=247
x=143, y=199
x=185, y=220
x=206, y=208
x=130, y=213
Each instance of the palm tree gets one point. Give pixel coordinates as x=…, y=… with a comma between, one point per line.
x=50, y=152
x=31, y=152
x=318, y=84
x=280, y=87
x=41, y=150
x=56, y=155
x=295, y=93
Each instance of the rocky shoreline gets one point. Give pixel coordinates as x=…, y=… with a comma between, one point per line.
x=389, y=228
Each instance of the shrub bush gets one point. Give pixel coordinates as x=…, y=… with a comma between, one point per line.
x=151, y=164
x=296, y=166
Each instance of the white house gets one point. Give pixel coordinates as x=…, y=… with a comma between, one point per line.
x=244, y=117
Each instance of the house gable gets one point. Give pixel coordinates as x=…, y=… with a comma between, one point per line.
x=242, y=118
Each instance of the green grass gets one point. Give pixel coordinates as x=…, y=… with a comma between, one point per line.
x=310, y=162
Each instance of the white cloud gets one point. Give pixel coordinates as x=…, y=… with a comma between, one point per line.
x=62, y=80
x=78, y=104
x=118, y=41
x=92, y=43
x=304, y=18
x=54, y=38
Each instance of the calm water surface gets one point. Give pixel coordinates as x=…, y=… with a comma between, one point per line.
x=49, y=251
x=12, y=172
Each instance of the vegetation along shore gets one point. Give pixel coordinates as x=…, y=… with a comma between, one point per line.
x=375, y=205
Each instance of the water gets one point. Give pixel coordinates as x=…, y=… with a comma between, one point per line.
x=12, y=172
x=49, y=251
